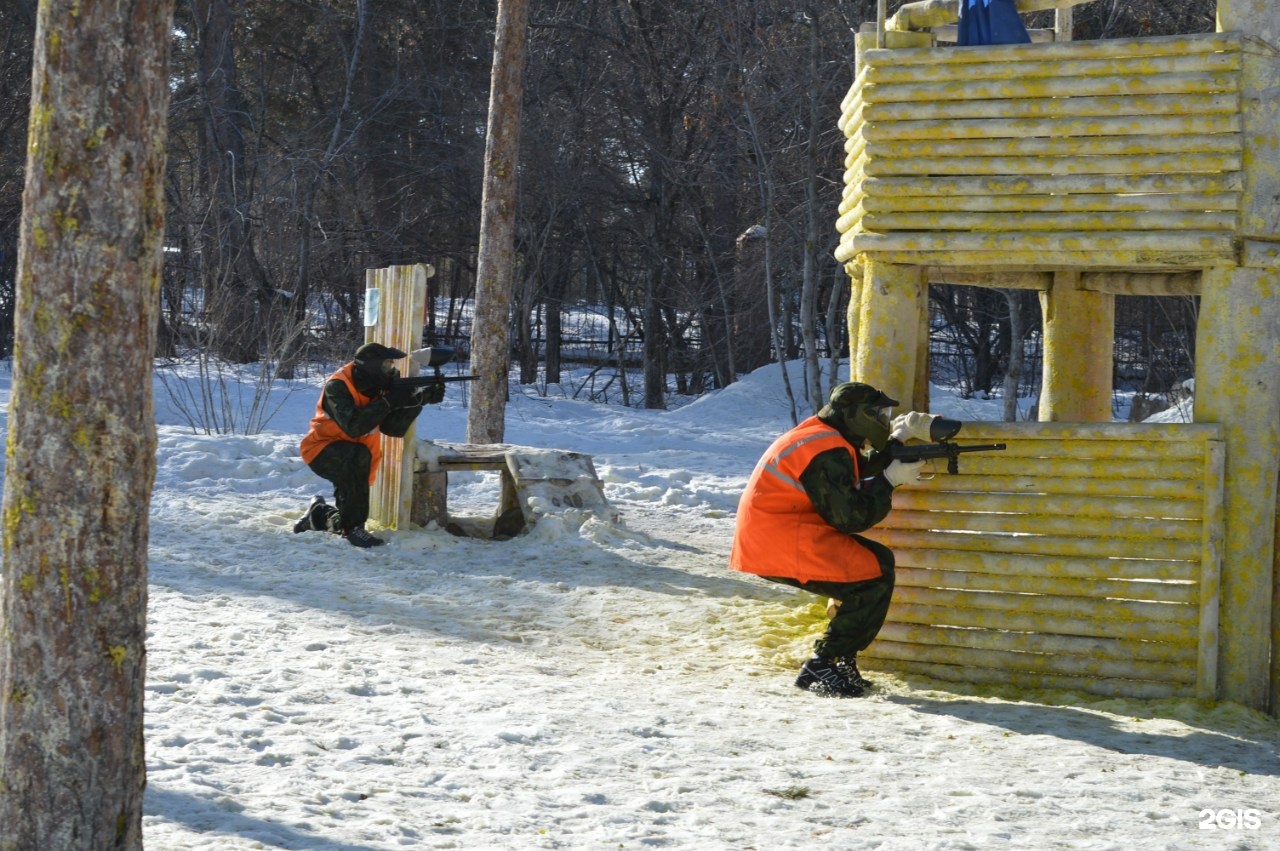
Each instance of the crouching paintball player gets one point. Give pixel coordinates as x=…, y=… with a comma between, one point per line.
x=815, y=489
x=358, y=405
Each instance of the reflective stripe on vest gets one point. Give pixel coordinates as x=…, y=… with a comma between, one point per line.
x=779, y=532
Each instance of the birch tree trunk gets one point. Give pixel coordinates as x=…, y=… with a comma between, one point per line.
x=490, y=346
x=81, y=453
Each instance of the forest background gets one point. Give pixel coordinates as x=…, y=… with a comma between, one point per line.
x=679, y=159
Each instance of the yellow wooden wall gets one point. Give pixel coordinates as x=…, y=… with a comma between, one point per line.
x=1085, y=556
x=1122, y=153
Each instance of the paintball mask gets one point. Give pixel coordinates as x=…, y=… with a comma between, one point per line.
x=860, y=412
x=374, y=364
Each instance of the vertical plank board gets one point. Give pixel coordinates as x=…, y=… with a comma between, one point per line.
x=1210, y=569
x=402, y=296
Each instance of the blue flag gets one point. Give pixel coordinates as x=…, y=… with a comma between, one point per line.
x=990, y=22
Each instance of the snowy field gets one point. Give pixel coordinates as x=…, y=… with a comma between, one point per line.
x=602, y=686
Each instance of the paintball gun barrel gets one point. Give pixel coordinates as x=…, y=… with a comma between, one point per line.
x=434, y=357
x=942, y=429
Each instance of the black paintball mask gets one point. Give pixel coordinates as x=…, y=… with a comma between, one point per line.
x=860, y=413
x=374, y=366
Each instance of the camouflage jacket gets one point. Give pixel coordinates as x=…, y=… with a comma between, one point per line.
x=356, y=421
x=829, y=483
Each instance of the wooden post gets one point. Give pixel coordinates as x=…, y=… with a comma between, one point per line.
x=889, y=324
x=1258, y=18
x=1079, y=335
x=1063, y=23
x=857, y=277
x=1238, y=375
x=399, y=294
x=1238, y=385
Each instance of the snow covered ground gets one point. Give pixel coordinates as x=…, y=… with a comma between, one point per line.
x=602, y=687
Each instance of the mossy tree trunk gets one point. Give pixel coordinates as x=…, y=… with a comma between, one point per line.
x=81, y=449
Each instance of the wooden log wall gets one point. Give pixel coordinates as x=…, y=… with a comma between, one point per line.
x=1085, y=556
x=1122, y=154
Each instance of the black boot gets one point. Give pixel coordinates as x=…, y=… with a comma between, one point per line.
x=823, y=676
x=358, y=537
x=307, y=522
x=849, y=667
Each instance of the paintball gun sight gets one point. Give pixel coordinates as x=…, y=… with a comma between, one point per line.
x=941, y=430
x=434, y=357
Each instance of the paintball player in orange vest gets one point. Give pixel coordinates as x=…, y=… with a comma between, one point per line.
x=344, y=445
x=810, y=495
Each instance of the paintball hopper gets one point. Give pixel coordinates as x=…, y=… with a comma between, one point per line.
x=437, y=356
x=943, y=428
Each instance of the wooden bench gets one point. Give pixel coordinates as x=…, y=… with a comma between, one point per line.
x=533, y=483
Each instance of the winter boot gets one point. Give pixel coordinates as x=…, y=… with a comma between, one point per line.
x=849, y=667
x=358, y=537
x=308, y=521
x=823, y=676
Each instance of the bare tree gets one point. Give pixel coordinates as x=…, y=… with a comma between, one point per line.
x=82, y=434
x=490, y=349
x=235, y=283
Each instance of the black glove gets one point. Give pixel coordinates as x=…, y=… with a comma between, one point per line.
x=432, y=394
x=403, y=397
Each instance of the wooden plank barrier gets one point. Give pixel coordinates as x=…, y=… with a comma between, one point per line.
x=1085, y=556
x=1114, y=153
x=398, y=295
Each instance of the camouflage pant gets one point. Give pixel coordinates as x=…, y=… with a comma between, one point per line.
x=346, y=464
x=863, y=606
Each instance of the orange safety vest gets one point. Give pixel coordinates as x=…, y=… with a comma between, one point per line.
x=325, y=431
x=780, y=533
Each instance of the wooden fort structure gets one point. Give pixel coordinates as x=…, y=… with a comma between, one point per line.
x=1124, y=559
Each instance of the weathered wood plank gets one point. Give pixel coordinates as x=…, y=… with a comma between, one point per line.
x=1094, y=241
x=965, y=89
x=1032, y=566
x=972, y=674
x=1167, y=631
x=1198, y=201
x=1111, y=106
x=1047, y=545
x=1098, y=220
x=1039, y=663
x=1033, y=167
x=1005, y=128
x=1071, y=51
x=1062, y=146
x=1052, y=184
x=1036, y=67
x=1125, y=535
x=986, y=501
x=1114, y=649
x=1157, y=592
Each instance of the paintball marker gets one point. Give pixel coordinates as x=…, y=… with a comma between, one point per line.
x=941, y=430
x=434, y=357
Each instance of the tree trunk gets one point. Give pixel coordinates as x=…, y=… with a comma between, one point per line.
x=82, y=431
x=809, y=277
x=1017, y=340
x=490, y=360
